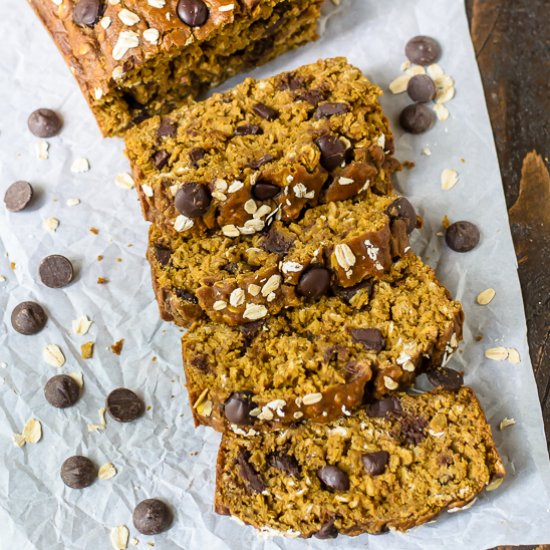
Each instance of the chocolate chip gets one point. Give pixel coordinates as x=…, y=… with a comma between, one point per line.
x=462, y=236
x=416, y=118
x=402, y=209
x=248, y=130
x=422, y=50
x=314, y=283
x=44, y=123
x=152, y=516
x=124, y=405
x=56, y=271
x=193, y=12
x=278, y=242
x=371, y=338
x=264, y=190
x=160, y=159
x=313, y=97
x=237, y=408
x=162, y=254
x=348, y=293
x=28, y=318
x=18, y=196
x=192, y=200
x=78, y=472
x=167, y=128
x=249, y=473
x=327, y=531
x=87, y=13
x=448, y=379
x=187, y=296
x=284, y=462
x=330, y=109
x=333, y=479
x=421, y=88
x=250, y=331
x=412, y=429
x=196, y=154
x=256, y=164
x=375, y=463
x=333, y=151
x=289, y=81
x=61, y=391
x=265, y=111
x=384, y=407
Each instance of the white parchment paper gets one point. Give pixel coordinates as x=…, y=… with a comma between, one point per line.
x=161, y=455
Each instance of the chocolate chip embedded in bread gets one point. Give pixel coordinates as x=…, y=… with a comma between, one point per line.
x=87, y=13
x=56, y=271
x=422, y=50
x=278, y=240
x=264, y=190
x=333, y=151
x=44, y=123
x=167, y=128
x=327, y=110
x=185, y=295
x=193, y=12
x=448, y=379
x=421, y=88
x=18, y=196
x=462, y=236
x=284, y=462
x=162, y=254
x=249, y=474
x=160, y=159
x=313, y=97
x=333, y=478
x=416, y=118
x=258, y=163
x=348, y=293
x=151, y=517
x=62, y=391
x=237, y=408
x=402, y=209
x=385, y=407
x=314, y=283
x=124, y=405
x=375, y=463
x=371, y=338
x=412, y=429
x=192, y=200
x=28, y=318
x=266, y=112
x=78, y=472
x=196, y=154
x=250, y=331
x=248, y=130
x=327, y=531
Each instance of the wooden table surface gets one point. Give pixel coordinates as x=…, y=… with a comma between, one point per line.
x=512, y=44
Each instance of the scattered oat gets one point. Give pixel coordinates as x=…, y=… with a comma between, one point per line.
x=405, y=65
x=73, y=202
x=513, y=356
x=107, y=471
x=445, y=223
x=254, y=312
x=219, y=305
x=506, y=422
x=495, y=484
x=434, y=71
x=134, y=542
x=53, y=355
x=116, y=348
x=486, y=296
x=119, y=537
x=152, y=36
x=427, y=152
x=441, y=112
x=18, y=440
x=128, y=17
x=2, y=279
x=78, y=378
x=41, y=148
x=32, y=431
x=497, y=354
x=51, y=224
x=124, y=180
x=102, y=424
x=147, y=190
x=183, y=223
x=390, y=383
x=80, y=165
x=399, y=84
x=87, y=350
x=81, y=325
x=449, y=179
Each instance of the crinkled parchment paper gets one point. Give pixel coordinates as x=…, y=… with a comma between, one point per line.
x=161, y=454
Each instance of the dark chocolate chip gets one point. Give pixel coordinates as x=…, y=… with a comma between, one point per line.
x=266, y=112
x=333, y=151
x=371, y=338
x=277, y=242
x=412, y=429
x=200, y=362
x=384, y=407
x=289, y=81
x=285, y=462
x=256, y=164
x=196, y=154
x=192, y=200
x=448, y=379
x=422, y=50
x=87, y=13
x=187, y=296
x=330, y=109
x=124, y=405
x=193, y=12
x=160, y=159
x=162, y=254
x=56, y=271
x=314, y=283
x=78, y=472
x=152, y=516
x=18, y=196
x=249, y=474
x=44, y=123
x=402, y=209
x=167, y=128
x=250, y=331
x=28, y=318
x=313, y=97
x=237, y=408
x=375, y=463
x=62, y=391
x=421, y=88
x=462, y=236
x=248, y=130
x=416, y=118
x=264, y=190
x=348, y=293
x=333, y=479
x=327, y=531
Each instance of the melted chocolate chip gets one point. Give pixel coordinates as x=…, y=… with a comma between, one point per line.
x=56, y=271
x=422, y=50
x=284, y=462
x=61, y=391
x=462, y=236
x=327, y=110
x=248, y=130
x=416, y=118
x=412, y=429
x=124, y=405
x=192, y=200
x=333, y=479
x=162, y=254
x=249, y=474
x=152, y=516
x=277, y=242
x=375, y=463
x=446, y=378
x=314, y=283
x=167, y=128
x=196, y=154
x=44, y=123
x=192, y=12
x=160, y=159
x=266, y=112
x=327, y=531
x=402, y=209
x=384, y=407
x=256, y=164
x=237, y=408
x=421, y=88
x=371, y=338
x=18, y=196
x=348, y=293
x=333, y=151
x=78, y=472
x=28, y=318
x=187, y=296
x=87, y=13
x=264, y=190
